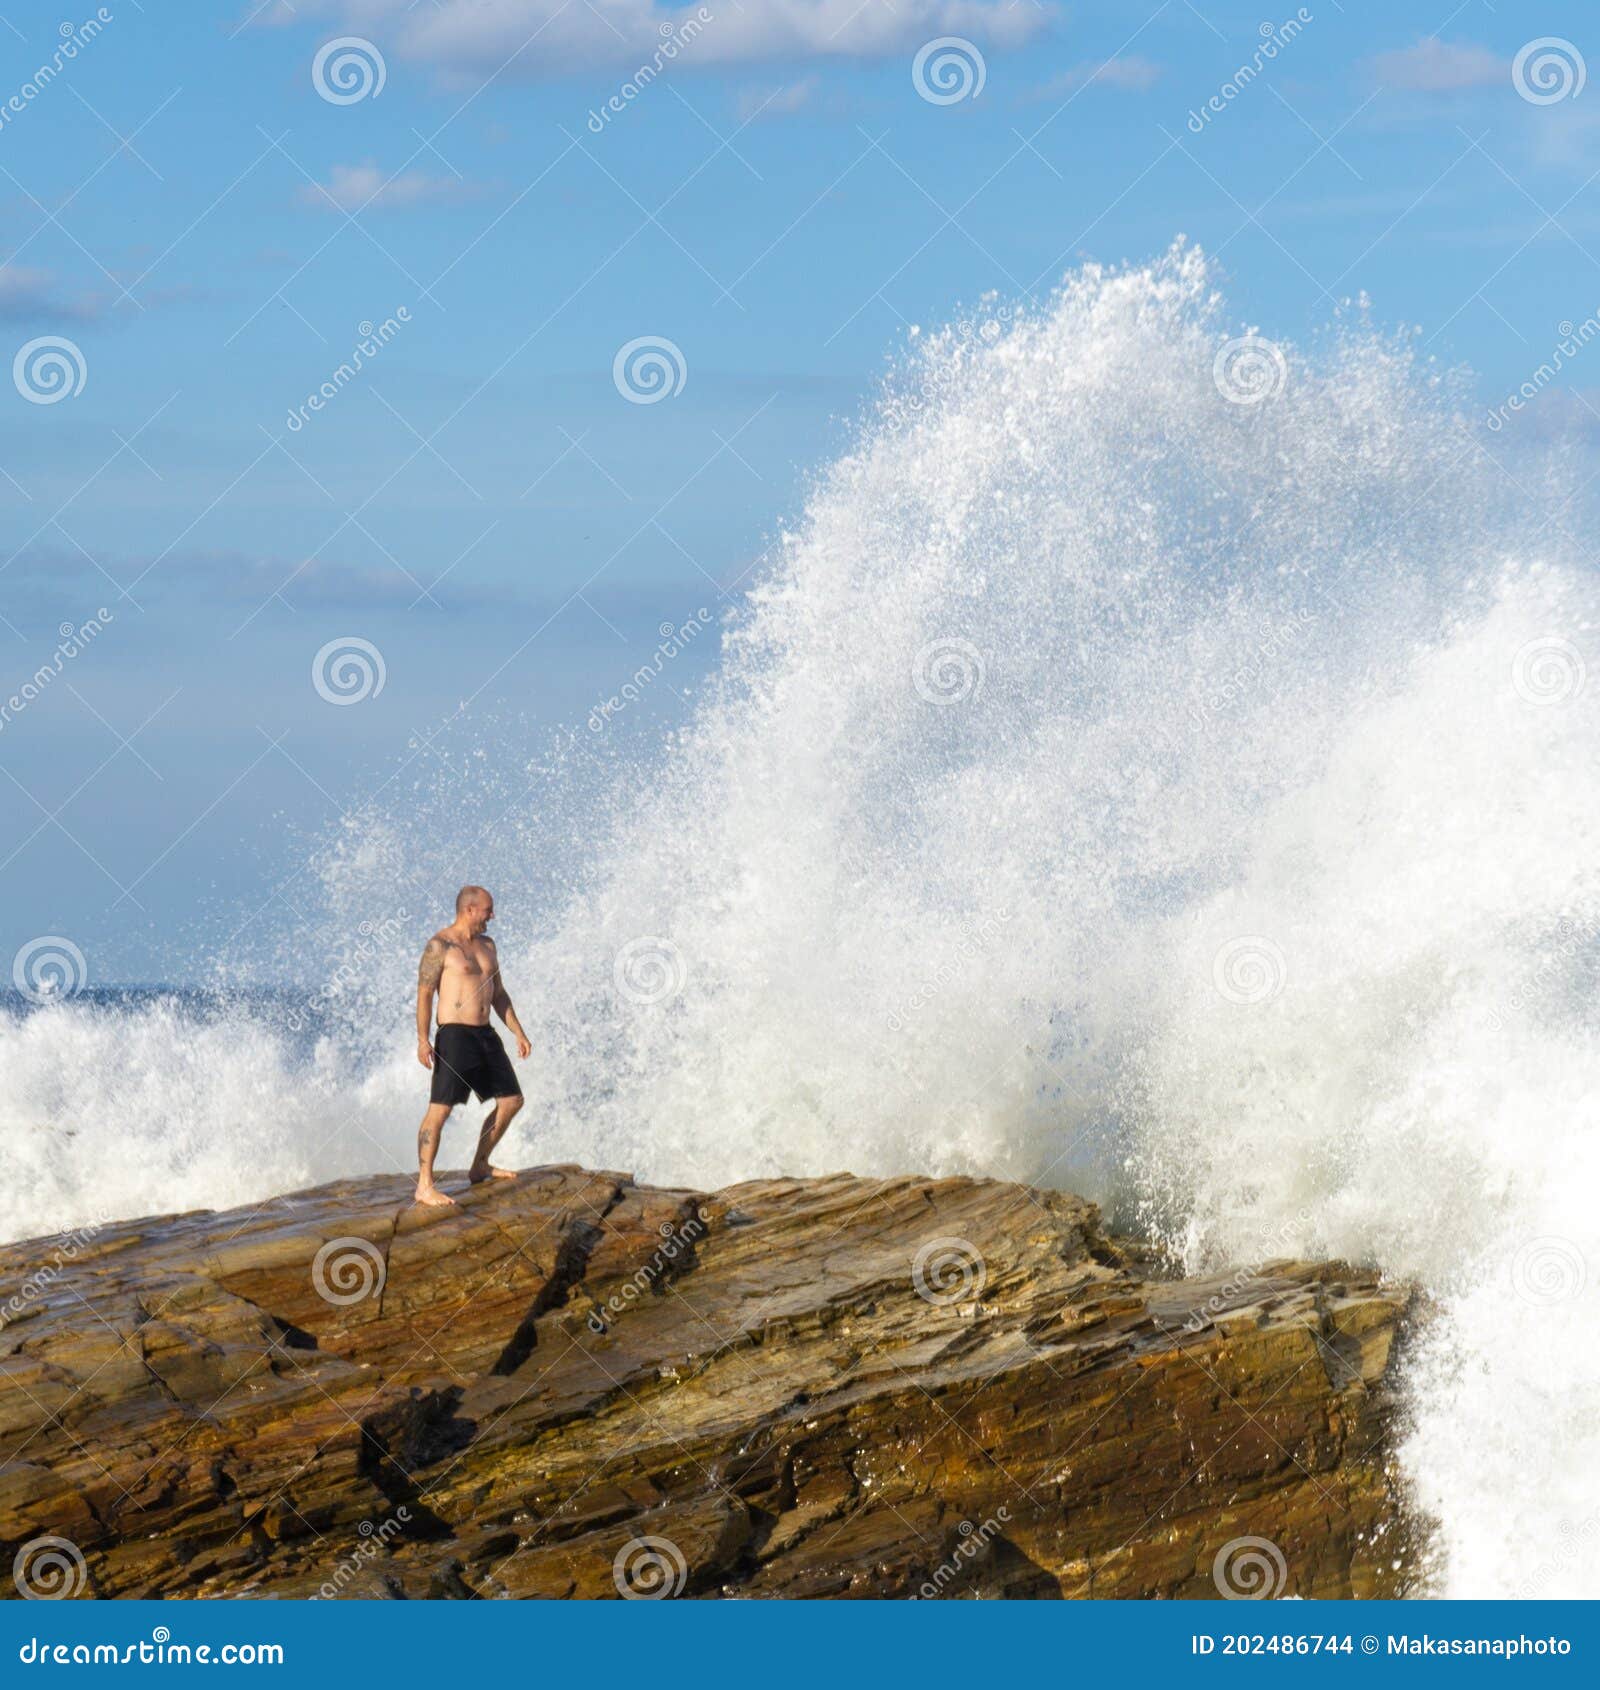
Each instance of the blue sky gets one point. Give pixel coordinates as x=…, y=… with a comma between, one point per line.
x=482, y=504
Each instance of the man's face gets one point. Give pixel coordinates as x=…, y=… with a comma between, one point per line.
x=480, y=915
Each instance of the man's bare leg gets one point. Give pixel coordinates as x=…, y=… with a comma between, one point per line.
x=494, y=1129
x=427, y=1148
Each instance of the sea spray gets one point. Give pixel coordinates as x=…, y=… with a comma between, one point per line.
x=1268, y=725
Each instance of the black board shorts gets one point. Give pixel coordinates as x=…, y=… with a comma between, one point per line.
x=470, y=1059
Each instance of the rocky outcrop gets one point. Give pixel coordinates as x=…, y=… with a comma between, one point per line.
x=574, y=1385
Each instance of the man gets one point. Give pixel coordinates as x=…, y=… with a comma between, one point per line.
x=461, y=970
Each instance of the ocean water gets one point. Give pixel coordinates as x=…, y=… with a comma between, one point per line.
x=1156, y=762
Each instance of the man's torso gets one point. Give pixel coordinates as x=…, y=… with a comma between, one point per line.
x=466, y=982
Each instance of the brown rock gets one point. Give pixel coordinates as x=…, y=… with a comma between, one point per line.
x=576, y=1386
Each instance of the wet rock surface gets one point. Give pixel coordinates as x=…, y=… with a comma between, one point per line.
x=576, y=1386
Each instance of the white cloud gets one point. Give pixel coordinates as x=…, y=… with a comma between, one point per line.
x=350, y=187
x=756, y=103
x=27, y=293
x=1433, y=66
x=531, y=39
x=1132, y=75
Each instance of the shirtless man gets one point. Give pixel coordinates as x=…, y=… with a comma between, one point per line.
x=462, y=971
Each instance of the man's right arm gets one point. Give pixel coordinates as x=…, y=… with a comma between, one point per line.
x=428, y=972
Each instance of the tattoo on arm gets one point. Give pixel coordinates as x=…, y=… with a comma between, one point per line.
x=432, y=964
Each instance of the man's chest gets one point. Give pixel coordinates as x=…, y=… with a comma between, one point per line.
x=470, y=963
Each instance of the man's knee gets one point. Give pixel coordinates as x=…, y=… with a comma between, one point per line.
x=508, y=1106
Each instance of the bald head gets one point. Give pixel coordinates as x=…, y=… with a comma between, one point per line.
x=473, y=897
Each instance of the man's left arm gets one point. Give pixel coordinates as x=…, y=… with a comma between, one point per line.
x=504, y=1008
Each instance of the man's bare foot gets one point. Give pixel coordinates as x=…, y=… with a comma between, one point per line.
x=478, y=1175
x=433, y=1198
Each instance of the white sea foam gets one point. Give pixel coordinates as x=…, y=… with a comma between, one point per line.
x=1110, y=783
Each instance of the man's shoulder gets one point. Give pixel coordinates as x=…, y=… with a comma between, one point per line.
x=441, y=941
